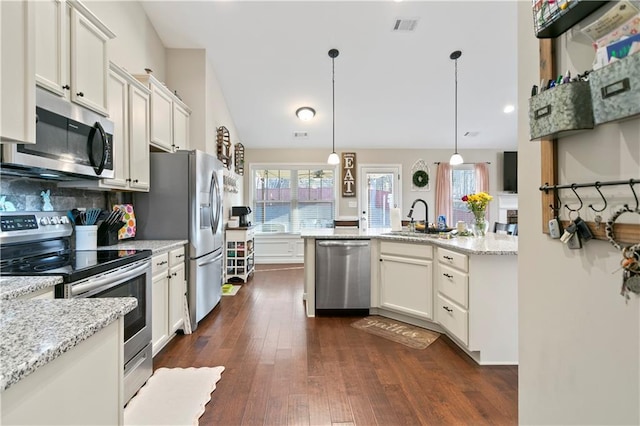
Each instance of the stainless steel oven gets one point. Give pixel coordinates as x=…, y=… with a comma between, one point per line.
x=71, y=142
x=38, y=243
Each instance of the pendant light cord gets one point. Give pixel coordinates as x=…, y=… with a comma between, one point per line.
x=333, y=96
x=456, y=108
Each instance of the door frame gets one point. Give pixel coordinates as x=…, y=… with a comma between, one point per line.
x=379, y=168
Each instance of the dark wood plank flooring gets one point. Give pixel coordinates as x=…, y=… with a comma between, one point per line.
x=282, y=368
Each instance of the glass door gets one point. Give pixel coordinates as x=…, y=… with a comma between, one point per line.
x=380, y=191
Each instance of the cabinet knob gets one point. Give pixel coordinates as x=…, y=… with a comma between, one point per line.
x=66, y=87
x=128, y=180
x=174, y=274
x=81, y=94
x=135, y=181
x=380, y=260
x=176, y=147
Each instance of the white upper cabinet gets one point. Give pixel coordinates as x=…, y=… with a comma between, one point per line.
x=169, y=117
x=180, y=126
x=17, y=73
x=71, y=53
x=139, y=134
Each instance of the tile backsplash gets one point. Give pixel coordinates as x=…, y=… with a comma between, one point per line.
x=24, y=195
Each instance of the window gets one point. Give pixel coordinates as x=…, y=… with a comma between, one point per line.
x=289, y=198
x=463, y=182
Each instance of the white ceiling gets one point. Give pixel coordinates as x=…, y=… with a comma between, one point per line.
x=393, y=89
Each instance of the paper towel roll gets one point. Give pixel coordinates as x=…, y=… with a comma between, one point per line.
x=396, y=223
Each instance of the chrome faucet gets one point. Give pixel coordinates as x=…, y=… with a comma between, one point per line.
x=426, y=210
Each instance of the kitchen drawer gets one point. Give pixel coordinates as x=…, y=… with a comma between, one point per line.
x=159, y=263
x=454, y=285
x=176, y=256
x=407, y=249
x=451, y=258
x=453, y=318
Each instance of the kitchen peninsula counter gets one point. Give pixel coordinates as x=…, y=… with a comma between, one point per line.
x=13, y=287
x=466, y=287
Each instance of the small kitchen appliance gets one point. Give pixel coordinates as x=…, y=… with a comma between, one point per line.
x=242, y=212
x=41, y=244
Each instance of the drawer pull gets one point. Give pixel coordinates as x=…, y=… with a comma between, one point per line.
x=448, y=276
x=164, y=262
x=448, y=309
x=179, y=256
x=448, y=257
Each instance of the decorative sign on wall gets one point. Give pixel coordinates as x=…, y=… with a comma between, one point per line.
x=348, y=174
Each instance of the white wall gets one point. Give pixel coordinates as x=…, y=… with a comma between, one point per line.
x=137, y=45
x=405, y=157
x=579, y=340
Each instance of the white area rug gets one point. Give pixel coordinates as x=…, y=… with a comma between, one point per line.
x=173, y=396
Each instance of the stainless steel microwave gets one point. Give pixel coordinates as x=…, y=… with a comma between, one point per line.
x=71, y=142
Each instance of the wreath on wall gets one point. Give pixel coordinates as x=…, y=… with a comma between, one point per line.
x=420, y=178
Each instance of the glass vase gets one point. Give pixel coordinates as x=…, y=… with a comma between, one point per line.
x=480, y=224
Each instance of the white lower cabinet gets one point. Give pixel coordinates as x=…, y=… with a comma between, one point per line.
x=168, y=291
x=406, y=283
x=453, y=288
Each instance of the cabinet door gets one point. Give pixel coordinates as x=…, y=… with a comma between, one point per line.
x=159, y=311
x=17, y=73
x=180, y=127
x=406, y=285
x=161, y=118
x=89, y=64
x=138, y=139
x=177, y=291
x=51, y=42
x=118, y=113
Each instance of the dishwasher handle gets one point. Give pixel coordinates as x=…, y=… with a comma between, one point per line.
x=343, y=243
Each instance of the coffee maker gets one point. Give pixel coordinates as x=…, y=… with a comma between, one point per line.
x=241, y=212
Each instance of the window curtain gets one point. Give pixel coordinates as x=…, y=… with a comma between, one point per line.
x=482, y=177
x=443, y=192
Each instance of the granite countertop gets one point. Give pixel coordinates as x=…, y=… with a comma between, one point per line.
x=13, y=287
x=35, y=332
x=491, y=244
x=156, y=246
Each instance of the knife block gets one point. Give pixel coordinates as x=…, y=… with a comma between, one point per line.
x=108, y=234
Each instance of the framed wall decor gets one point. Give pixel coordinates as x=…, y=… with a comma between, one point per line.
x=348, y=165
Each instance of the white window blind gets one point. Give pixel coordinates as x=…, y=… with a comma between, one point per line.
x=288, y=199
x=463, y=182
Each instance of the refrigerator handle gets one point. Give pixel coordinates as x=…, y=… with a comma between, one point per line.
x=212, y=190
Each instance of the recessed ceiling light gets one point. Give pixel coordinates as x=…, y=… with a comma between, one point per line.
x=305, y=113
x=509, y=109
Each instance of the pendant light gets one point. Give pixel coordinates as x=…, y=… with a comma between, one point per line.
x=333, y=157
x=456, y=159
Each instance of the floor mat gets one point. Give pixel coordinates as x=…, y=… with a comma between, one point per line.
x=173, y=396
x=408, y=335
x=230, y=289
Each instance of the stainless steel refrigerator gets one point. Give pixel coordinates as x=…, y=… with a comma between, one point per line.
x=185, y=202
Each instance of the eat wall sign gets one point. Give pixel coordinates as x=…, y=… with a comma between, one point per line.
x=348, y=174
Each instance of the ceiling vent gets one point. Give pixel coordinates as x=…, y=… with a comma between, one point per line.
x=300, y=134
x=404, y=24
x=471, y=134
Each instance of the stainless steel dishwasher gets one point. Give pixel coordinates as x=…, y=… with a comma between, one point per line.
x=343, y=276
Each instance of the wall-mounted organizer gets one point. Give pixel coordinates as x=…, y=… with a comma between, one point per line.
x=239, y=154
x=229, y=182
x=223, y=142
x=553, y=17
x=560, y=110
x=627, y=232
x=615, y=90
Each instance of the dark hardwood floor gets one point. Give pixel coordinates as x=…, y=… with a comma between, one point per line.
x=282, y=368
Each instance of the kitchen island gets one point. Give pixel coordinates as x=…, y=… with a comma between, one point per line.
x=465, y=287
x=55, y=353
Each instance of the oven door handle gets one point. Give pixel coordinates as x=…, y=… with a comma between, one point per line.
x=107, y=281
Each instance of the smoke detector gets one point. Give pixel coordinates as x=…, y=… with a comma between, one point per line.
x=300, y=134
x=405, y=24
